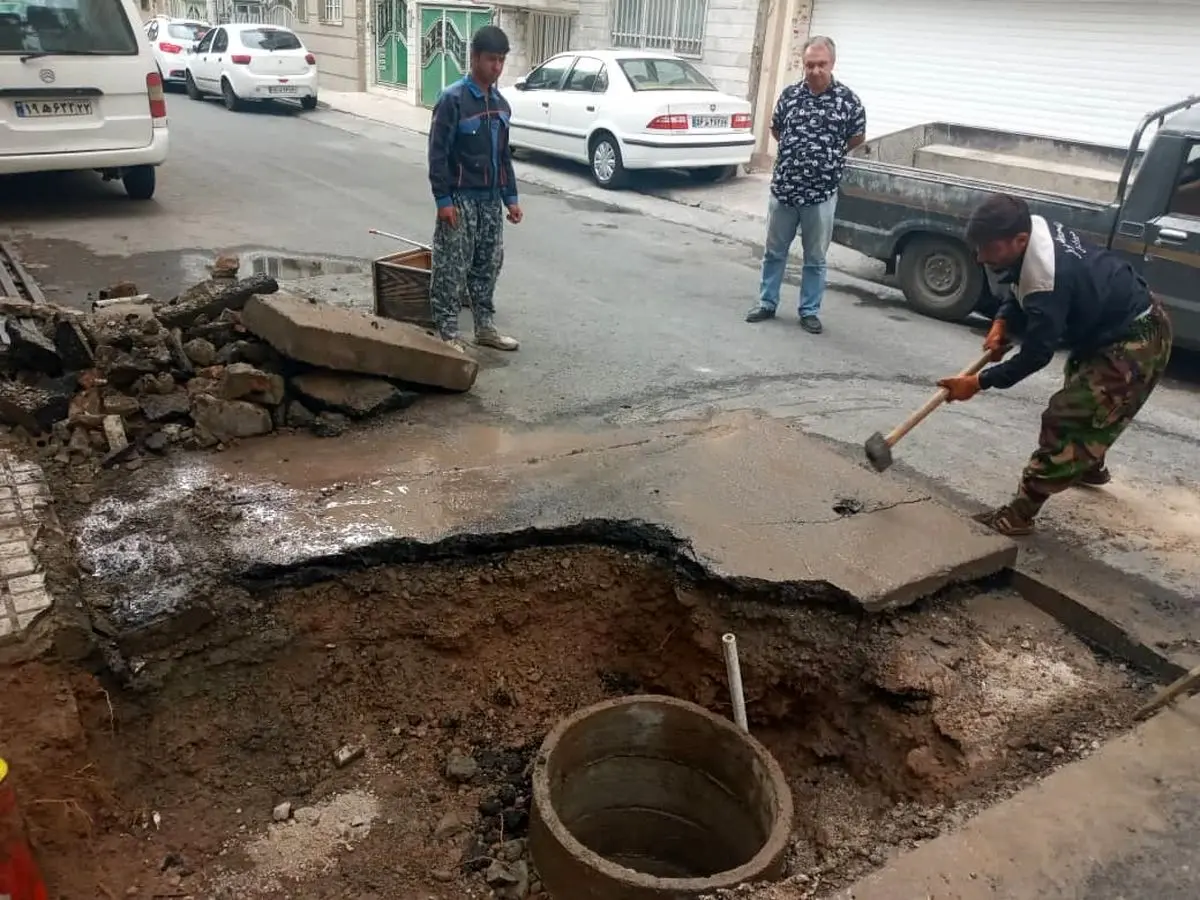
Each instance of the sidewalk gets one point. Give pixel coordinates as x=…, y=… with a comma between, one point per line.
x=744, y=196
x=736, y=208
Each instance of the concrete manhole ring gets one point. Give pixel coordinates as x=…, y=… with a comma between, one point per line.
x=652, y=797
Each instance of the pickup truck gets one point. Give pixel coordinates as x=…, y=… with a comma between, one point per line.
x=906, y=197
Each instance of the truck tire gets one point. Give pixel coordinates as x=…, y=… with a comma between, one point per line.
x=939, y=278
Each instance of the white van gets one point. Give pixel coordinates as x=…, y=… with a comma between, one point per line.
x=79, y=89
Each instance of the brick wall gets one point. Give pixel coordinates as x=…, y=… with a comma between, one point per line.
x=729, y=27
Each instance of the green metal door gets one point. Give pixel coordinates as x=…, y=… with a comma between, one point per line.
x=391, y=37
x=445, y=40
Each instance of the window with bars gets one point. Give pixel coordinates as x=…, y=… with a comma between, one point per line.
x=331, y=12
x=301, y=10
x=673, y=25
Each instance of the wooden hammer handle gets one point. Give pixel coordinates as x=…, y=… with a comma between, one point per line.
x=933, y=403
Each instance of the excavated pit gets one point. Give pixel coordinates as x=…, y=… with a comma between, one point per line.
x=398, y=708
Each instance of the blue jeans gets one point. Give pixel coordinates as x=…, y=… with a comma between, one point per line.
x=815, y=224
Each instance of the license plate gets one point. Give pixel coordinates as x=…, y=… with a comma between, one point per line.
x=281, y=89
x=710, y=121
x=52, y=109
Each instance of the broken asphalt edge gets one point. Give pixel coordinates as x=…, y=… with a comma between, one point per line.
x=259, y=579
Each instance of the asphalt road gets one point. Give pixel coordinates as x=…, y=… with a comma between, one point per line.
x=627, y=313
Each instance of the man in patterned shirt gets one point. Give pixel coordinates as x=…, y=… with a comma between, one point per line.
x=816, y=122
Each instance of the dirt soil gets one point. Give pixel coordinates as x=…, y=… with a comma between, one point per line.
x=368, y=735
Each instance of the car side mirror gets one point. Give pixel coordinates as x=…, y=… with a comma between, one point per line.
x=519, y=84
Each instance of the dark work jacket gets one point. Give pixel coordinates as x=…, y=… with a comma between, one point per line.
x=469, y=154
x=1066, y=293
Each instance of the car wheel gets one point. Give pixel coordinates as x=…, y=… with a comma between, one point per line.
x=308, y=102
x=608, y=169
x=189, y=85
x=939, y=278
x=139, y=182
x=713, y=174
x=232, y=102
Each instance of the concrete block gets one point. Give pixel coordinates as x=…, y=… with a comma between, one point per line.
x=15, y=566
x=27, y=583
x=31, y=601
x=348, y=341
x=355, y=395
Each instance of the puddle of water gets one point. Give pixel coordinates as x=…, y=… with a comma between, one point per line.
x=276, y=263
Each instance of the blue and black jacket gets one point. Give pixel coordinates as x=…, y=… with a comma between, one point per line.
x=469, y=155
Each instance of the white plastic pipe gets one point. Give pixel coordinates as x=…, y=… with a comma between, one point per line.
x=734, y=669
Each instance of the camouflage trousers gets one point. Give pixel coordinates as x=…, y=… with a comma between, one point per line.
x=1100, y=396
x=466, y=263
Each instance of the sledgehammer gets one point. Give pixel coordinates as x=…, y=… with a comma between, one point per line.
x=879, y=447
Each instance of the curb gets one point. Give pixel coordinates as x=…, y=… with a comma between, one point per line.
x=25, y=508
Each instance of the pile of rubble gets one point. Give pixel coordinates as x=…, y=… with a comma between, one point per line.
x=226, y=359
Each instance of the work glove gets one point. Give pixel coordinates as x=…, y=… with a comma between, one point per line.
x=960, y=388
x=996, y=341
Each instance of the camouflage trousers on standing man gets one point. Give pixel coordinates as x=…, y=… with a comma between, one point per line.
x=1100, y=396
x=467, y=259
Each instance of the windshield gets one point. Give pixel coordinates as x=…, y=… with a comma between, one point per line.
x=89, y=27
x=651, y=74
x=187, y=31
x=270, y=39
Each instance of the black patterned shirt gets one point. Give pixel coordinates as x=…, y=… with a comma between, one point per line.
x=813, y=132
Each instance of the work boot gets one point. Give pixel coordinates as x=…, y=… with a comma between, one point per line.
x=760, y=313
x=458, y=344
x=488, y=336
x=1096, y=477
x=811, y=324
x=1014, y=520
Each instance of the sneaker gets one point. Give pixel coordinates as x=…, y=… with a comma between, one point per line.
x=1096, y=477
x=490, y=337
x=760, y=313
x=811, y=324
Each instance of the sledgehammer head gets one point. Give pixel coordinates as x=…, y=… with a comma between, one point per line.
x=878, y=452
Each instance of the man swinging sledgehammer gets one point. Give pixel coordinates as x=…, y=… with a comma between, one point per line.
x=1063, y=291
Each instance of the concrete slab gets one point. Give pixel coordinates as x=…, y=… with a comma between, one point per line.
x=748, y=497
x=761, y=500
x=350, y=341
x=1119, y=824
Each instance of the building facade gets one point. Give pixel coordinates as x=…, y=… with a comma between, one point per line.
x=1084, y=70
x=418, y=48
x=1078, y=69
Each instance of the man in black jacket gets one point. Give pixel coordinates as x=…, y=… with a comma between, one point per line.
x=471, y=174
x=1065, y=292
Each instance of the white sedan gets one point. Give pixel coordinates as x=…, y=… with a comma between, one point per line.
x=172, y=40
x=630, y=109
x=252, y=62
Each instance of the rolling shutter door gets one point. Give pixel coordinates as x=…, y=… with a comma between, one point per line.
x=1086, y=70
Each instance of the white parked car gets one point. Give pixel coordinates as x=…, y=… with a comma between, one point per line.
x=172, y=40
x=630, y=109
x=79, y=89
x=252, y=62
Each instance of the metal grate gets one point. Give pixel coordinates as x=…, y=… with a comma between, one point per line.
x=247, y=12
x=673, y=25
x=549, y=35
x=15, y=282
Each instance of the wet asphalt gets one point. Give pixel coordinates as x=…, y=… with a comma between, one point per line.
x=624, y=317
